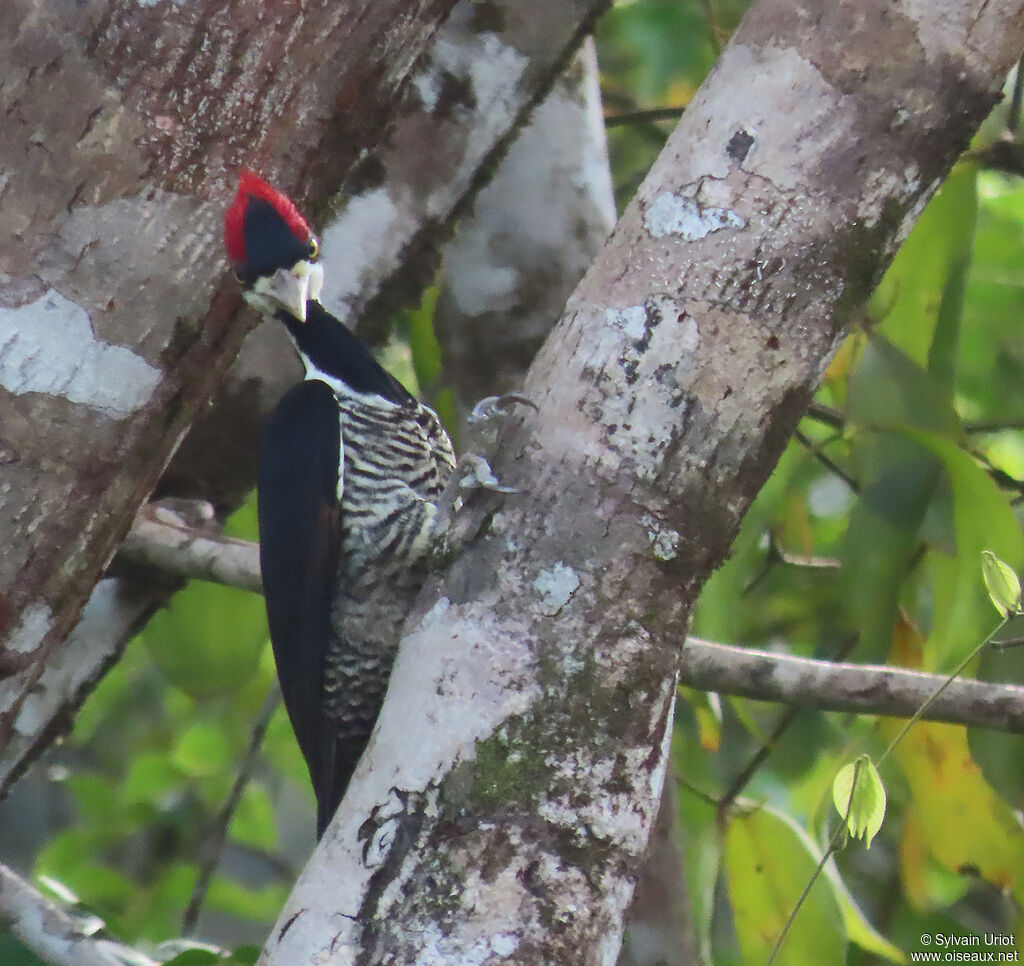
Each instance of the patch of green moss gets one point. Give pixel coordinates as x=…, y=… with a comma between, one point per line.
x=509, y=770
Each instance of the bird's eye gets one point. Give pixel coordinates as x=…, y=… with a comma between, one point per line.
x=314, y=249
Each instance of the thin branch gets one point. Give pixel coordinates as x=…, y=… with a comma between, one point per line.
x=52, y=934
x=995, y=426
x=757, y=759
x=769, y=745
x=645, y=116
x=211, y=848
x=1001, y=478
x=828, y=415
x=163, y=540
x=826, y=461
x=860, y=688
x=776, y=555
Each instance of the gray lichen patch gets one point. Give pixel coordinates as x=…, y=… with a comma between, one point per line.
x=664, y=540
x=556, y=586
x=685, y=216
x=48, y=346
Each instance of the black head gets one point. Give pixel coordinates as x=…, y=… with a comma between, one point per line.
x=272, y=249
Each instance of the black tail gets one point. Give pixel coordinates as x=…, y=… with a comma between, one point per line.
x=332, y=784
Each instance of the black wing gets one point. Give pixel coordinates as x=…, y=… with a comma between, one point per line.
x=300, y=533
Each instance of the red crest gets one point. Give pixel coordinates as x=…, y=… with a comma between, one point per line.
x=252, y=186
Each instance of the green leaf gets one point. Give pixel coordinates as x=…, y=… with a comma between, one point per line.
x=157, y=915
x=243, y=956
x=426, y=357
x=920, y=298
x=423, y=345
x=991, y=363
x=242, y=524
x=898, y=479
x=263, y=904
x=13, y=953
x=717, y=616
x=889, y=390
x=281, y=750
x=858, y=928
x=253, y=822
x=202, y=751
x=859, y=797
x=664, y=45
x=151, y=776
x=769, y=861
x=95, y=797
x=195, y=957
x=209, y=640
x=982, y=519
x=703, y=849
x=1001, y=582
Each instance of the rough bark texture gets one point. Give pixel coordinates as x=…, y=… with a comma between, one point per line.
x=538, y=677
x=505, y=277
x=490, y=64
x=534, y=231
x=497, y=58
x=124, y=126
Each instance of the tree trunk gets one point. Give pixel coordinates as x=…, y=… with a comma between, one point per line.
x=533, y=232
x=658, y=930
x=494, y=55
x=124, y=128
x=538, y=677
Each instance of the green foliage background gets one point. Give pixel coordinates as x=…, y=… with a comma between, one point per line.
x=866, y=542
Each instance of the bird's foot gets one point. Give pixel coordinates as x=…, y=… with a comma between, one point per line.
x=488, y=416
x=475, y=473
x=482, y=426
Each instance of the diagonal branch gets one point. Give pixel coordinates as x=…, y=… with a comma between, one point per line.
x=212, y=844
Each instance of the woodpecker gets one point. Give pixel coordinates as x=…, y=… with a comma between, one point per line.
x=351, y=472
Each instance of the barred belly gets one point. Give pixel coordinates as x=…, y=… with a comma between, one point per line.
x=396, y=461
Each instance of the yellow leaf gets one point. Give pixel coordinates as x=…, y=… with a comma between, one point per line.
x=768, y=862
x=708, y=713
x=926, y=884
x=963, y=823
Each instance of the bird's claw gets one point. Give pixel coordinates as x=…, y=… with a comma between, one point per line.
x=497, y=407
x=475, y=473
x=487, y=418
